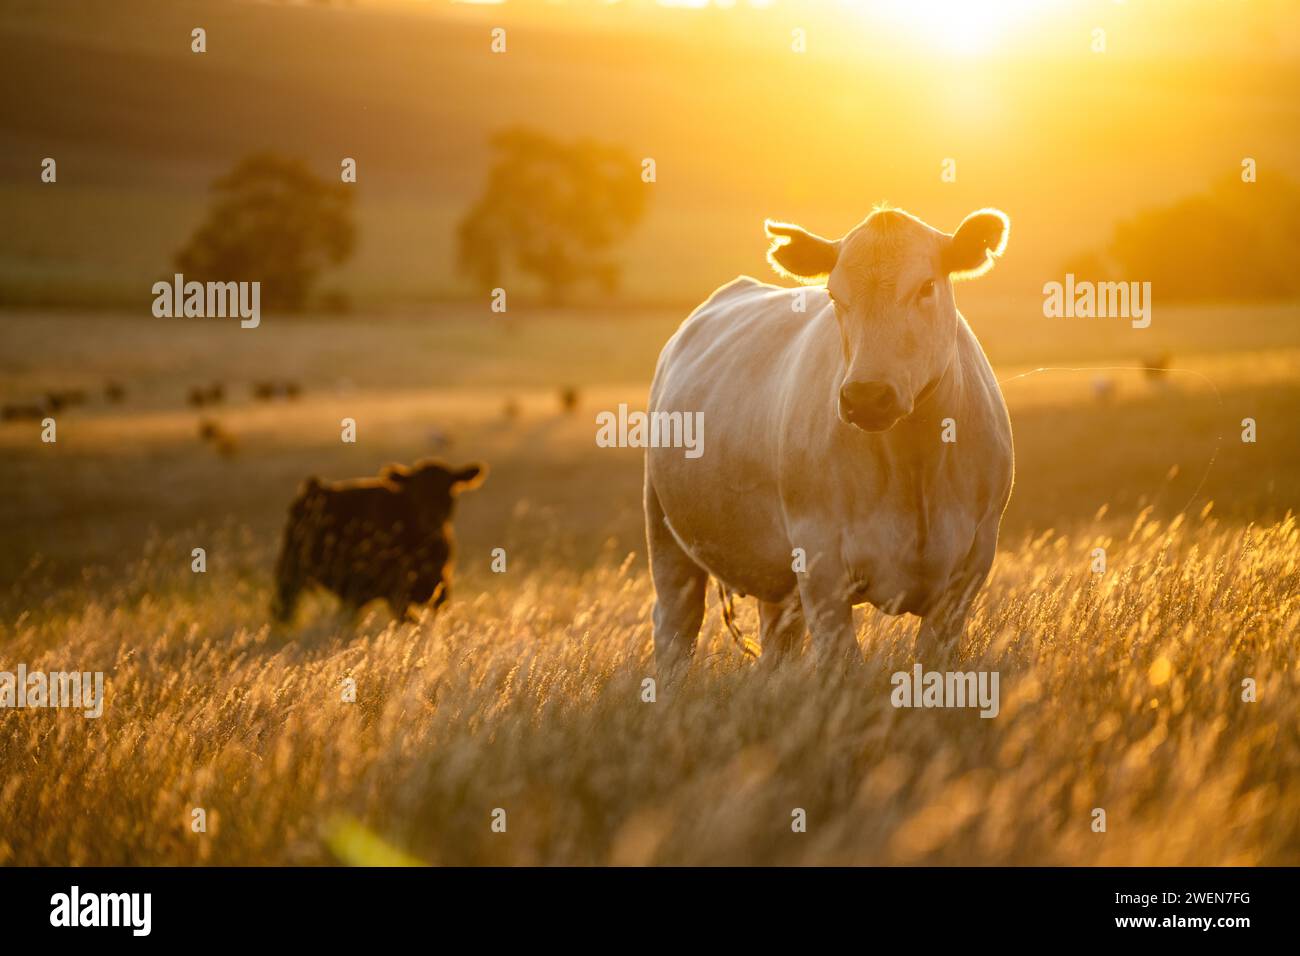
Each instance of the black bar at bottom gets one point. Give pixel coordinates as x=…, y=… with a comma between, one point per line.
x=335, y=905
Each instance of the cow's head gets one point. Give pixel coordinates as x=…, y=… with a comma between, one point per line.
x=433, y=485
x=890, y=282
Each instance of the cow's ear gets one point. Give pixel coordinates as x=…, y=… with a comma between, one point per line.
x=981, y=238
x=395, y=473
x=471, y=476
x=799, y=254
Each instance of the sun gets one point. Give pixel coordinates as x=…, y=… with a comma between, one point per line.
x=958, y=26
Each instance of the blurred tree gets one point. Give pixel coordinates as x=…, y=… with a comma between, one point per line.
x=272, y=221
x=1238, y=241
x=551, y=210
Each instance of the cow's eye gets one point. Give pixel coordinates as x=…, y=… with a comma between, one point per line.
x=926, y=290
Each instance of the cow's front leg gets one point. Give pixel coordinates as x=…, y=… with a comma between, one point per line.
x=829, y=613
x=939, y=636
x=781, y=627
x=940, y=633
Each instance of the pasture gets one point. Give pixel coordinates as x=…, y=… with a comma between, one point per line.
x=1120, y=691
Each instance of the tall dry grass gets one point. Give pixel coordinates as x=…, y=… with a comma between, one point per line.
x=1122, y=691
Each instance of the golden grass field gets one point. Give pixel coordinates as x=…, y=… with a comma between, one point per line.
x=1120, y=691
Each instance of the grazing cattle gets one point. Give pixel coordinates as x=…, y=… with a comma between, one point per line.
x=859, y=449
x=388, y=537
x=226, y=444
x=266, y=390
x=22, y=412
x=511, y=409
x=200, y=396
x=114, y=392
x=57, y=401
x=568, y=400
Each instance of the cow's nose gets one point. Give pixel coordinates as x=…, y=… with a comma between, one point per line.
x=869, y=403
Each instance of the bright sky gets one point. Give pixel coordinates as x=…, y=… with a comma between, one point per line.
x=959, y=26
x=970, y=28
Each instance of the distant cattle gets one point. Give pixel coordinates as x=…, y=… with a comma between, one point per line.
x=266, y=390
x=70, y=396
x=57, y=401
x=114, y=392
x=52, y=403
x=201, y=396
x=511, y=409
x=858, y=446
x=387, y=537
x=568, y=400
x=226, y=444
x=22, y=412
x=222, y=441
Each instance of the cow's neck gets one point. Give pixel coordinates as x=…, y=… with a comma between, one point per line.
x=917, y=449
x=918, y=438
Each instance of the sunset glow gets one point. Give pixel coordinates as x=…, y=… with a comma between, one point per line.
x=960, y=26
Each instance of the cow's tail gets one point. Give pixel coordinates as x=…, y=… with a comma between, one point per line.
x=728, y=599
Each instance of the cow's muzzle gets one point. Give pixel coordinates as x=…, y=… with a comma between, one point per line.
x=871, y=406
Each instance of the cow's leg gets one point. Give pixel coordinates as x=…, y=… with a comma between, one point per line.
x=401, y=608
x=288, y=574
x=347, y=615
x=680, y=585
x=781, y=627
x=940, y=632
x=941, y=629
x=285, y=600
x=828, y=612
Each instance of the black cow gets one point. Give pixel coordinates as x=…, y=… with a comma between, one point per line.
x=386, y=537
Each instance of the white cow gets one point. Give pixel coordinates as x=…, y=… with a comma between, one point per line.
x=864, y=432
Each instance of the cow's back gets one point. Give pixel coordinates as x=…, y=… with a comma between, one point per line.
x=364, y=540
x=739, y=359
x=746, y=335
